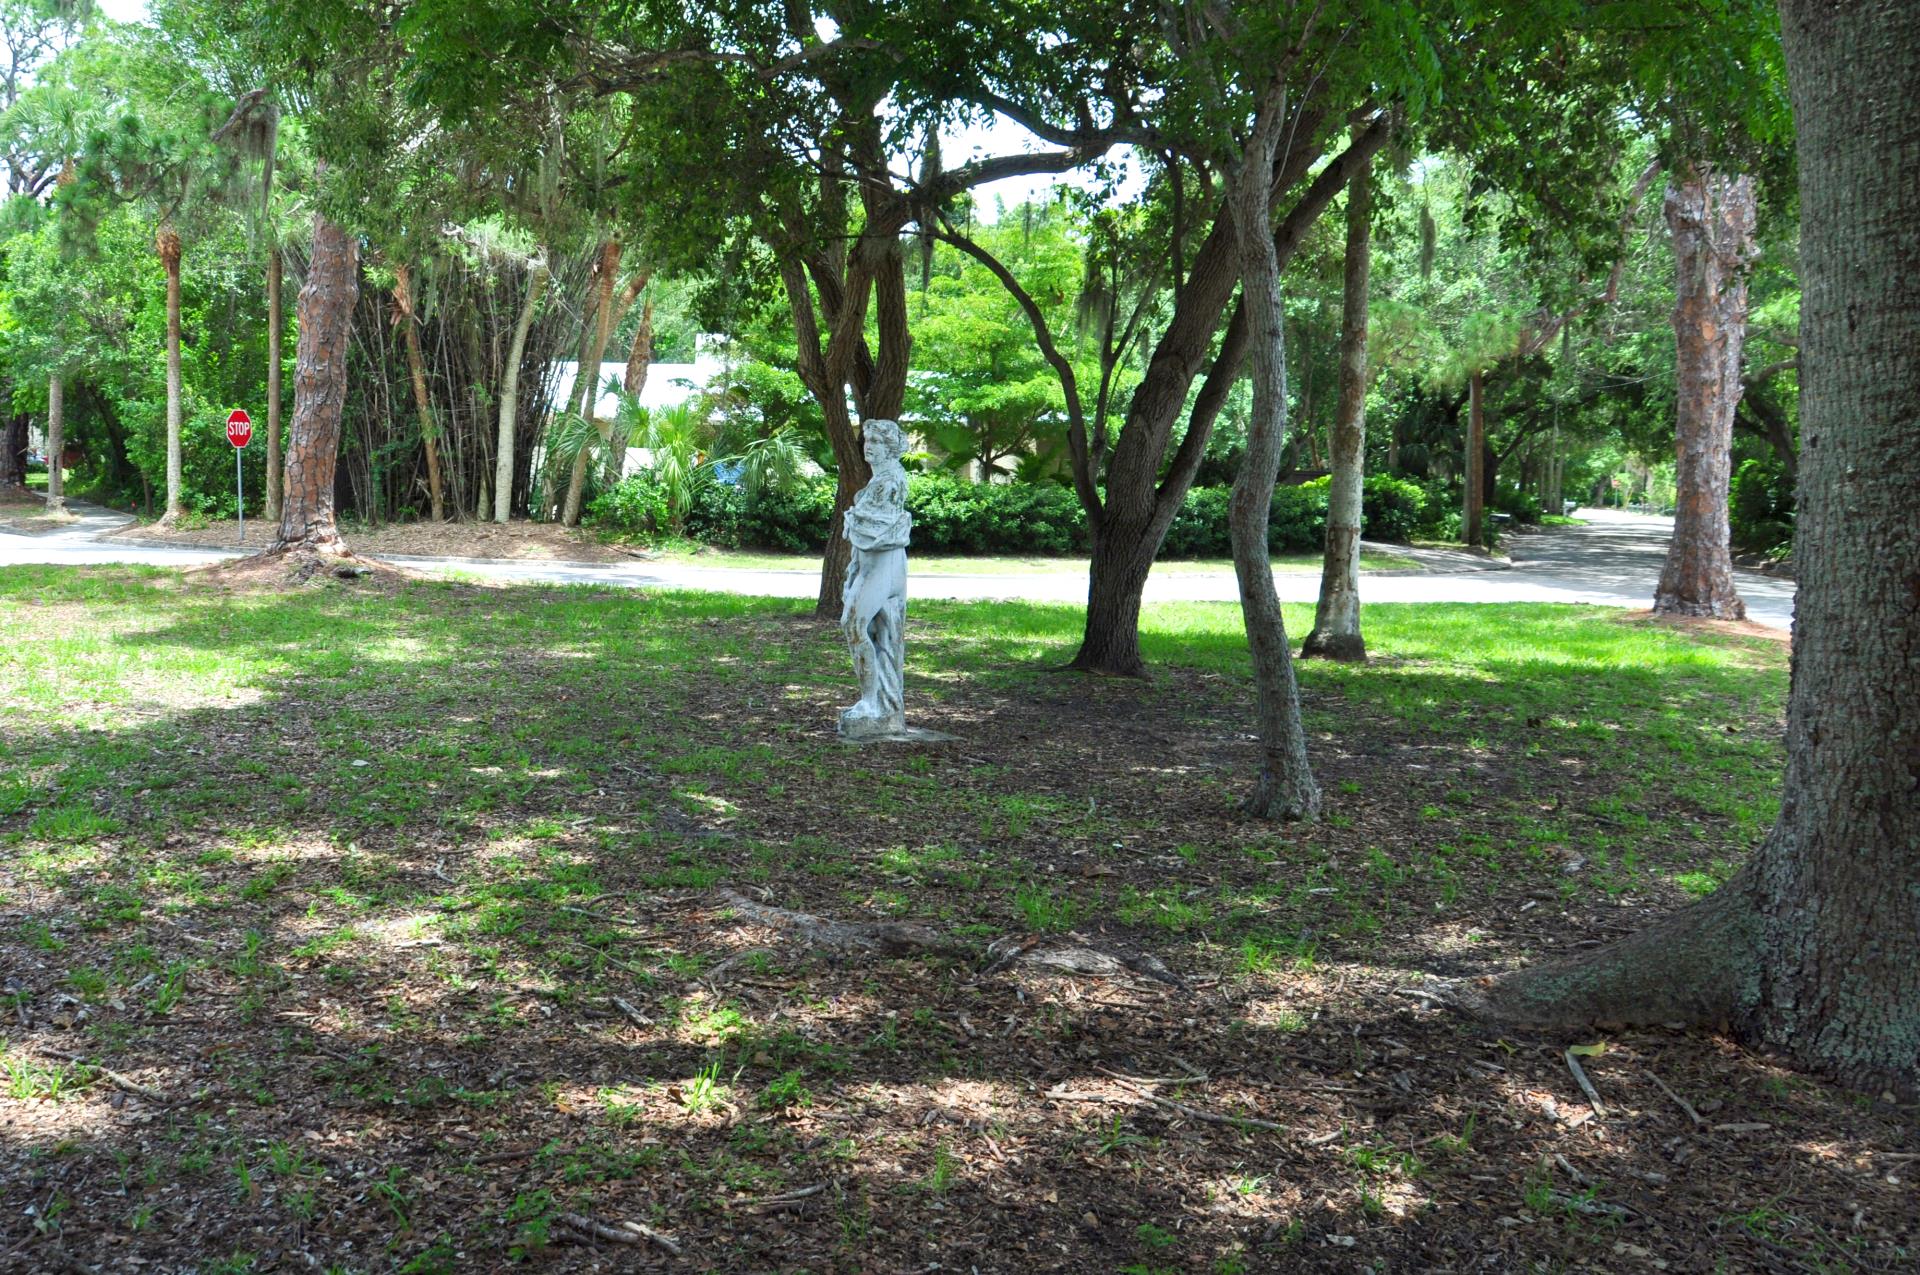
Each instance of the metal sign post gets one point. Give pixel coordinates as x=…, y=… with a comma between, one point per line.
x=239, y=433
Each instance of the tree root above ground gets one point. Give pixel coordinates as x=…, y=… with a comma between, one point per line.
x=302, y=566
x=1073, y=954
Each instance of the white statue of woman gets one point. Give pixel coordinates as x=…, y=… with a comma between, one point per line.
x=875, y=597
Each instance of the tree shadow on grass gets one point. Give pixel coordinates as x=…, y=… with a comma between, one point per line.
x=409, y=918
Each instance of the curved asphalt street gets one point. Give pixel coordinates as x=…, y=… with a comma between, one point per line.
x=1614, y=560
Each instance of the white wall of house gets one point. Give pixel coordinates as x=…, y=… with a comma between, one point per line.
x=668, y=385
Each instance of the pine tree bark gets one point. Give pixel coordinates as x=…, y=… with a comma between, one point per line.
x=1813, y=949
x=1474, y=482
x=1336, y=621
x=56, y=443
x=510, y=395
x=276, y=325
x=1285, y=788
x=167, y=244
x=325, y=316
x=1711, y=216
x=13, y=453
x=422, y=401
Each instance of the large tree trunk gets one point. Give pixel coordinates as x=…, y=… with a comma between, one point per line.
x=167, y=243
x=325, y=316
x=1814, y=948
x=586, y=381
x=1474, y=485
x=1336, y=621
x=851, y=469
x=1711, y=216
x=1133, y=524
x=13, y=453
x=422, y=401
x=510, y=395
x=1144, y=490
x=56, y=443
x=276, y=324
x=1285, y=788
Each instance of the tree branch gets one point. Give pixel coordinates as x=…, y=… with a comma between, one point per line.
x=1049, y=350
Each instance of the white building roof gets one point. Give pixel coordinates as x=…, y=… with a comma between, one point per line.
x=668, y=384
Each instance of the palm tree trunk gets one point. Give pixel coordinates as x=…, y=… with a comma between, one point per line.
x=56, y=443
x=167, y=244
x=510, y=394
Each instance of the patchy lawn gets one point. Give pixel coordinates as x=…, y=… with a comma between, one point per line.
x=386, y=932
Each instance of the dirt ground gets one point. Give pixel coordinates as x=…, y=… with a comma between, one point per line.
x=515, y=541
x=422, y=955
x=23, y=512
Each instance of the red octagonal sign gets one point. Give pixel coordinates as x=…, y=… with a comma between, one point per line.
x=239, y=428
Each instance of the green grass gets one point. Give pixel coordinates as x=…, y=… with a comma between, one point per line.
x=397, y=853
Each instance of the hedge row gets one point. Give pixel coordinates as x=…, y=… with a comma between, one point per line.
x=954, y=516
x=1760, y=508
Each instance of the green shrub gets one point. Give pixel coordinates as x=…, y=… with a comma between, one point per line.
x=1524, y=506
x=1199, y=530
x=955, y=516
x=1391, y=508
x=952, y=515
x=637, y=506
x=1760, y=508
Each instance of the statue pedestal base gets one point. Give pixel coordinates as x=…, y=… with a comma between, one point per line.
x=891, y=734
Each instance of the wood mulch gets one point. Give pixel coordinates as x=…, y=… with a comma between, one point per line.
x=499, y=1070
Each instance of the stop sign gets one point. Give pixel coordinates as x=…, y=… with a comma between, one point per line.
x=239, y=428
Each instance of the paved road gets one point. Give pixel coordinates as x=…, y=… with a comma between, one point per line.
x=1614, y=561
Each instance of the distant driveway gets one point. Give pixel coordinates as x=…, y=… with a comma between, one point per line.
x=1614, y=560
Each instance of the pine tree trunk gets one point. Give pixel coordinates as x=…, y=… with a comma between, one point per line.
x=587, y=379
x=1336, y=621
x=422, y=401
x=1285, y=788
x=325, y=317
x=1474, y=486
x=1711, y=216
x=639, y=359
x=167, y=244
x=56, y=443
x=1814, y=948
x=510, y=396
x=276, y=324
x=13, y=453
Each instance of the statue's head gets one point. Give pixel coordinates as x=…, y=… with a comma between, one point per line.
x=882, y=441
